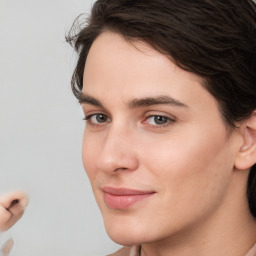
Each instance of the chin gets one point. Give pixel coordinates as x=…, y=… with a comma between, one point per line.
x=125, y=238
x=125, y=241
x=127, y=233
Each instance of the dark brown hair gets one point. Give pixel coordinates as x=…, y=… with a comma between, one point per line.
x=214, y=39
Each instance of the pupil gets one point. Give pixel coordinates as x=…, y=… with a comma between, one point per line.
x=160, y=120
x=101, y=118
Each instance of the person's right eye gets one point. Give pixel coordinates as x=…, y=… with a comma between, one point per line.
x=97, y=119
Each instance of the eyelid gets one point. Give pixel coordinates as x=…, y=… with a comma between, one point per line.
x=160, y=113
x=88, y=112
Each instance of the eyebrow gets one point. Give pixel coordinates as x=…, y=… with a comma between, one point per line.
x=84, y=98
x=148, y=101
x=135, y=103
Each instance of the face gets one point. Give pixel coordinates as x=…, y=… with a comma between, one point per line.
x=155, y=148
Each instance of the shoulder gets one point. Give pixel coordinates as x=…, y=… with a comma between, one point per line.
x=127, y=251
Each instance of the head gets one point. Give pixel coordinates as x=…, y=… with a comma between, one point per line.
x=134, y=58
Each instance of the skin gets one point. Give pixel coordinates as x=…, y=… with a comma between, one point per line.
x=188, y=160
x=12, y=206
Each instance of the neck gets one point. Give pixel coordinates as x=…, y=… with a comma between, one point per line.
x=229, y=230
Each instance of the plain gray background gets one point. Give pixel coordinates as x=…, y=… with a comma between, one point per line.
x=41, y=130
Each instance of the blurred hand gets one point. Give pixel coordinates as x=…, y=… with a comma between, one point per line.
x=12, y=207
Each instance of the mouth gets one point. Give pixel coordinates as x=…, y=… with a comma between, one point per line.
x=124, y=198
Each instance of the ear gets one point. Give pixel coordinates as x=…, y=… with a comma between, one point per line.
x=12, y=207
x=246, y=156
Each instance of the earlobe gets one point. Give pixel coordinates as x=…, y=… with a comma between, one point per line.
x=246, y=157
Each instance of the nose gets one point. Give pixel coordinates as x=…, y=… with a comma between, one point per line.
x=118, y=152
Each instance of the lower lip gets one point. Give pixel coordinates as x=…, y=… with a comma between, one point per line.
x=122, y=202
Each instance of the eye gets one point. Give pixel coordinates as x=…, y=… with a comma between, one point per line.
x=158, y=120
x=97, y=119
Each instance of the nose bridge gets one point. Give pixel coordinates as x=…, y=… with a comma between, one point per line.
x=117, y=151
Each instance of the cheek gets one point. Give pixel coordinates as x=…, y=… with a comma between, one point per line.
x=192, y=179
x=89, y=155
x=192, y=169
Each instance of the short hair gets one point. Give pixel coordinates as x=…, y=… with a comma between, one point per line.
x=213, y=39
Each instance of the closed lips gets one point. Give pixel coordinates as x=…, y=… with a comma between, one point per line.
x=122, y=198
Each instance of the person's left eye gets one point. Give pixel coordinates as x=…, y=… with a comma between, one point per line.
x=158, y=120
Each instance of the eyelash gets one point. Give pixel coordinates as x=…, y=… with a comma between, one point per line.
x=168, y=120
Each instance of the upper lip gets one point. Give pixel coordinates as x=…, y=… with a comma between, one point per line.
x=125, y=191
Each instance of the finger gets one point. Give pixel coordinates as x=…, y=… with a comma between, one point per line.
x=5, y=218
x=12, y=207
x=10, y=199
x=6, y=248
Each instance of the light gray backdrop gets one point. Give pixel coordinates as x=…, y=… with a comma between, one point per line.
x=41, y=130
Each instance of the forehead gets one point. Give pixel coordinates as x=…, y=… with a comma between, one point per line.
x=112, y=53
x=115, y=64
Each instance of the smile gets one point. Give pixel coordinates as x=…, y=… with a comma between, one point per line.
x=121, y=198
